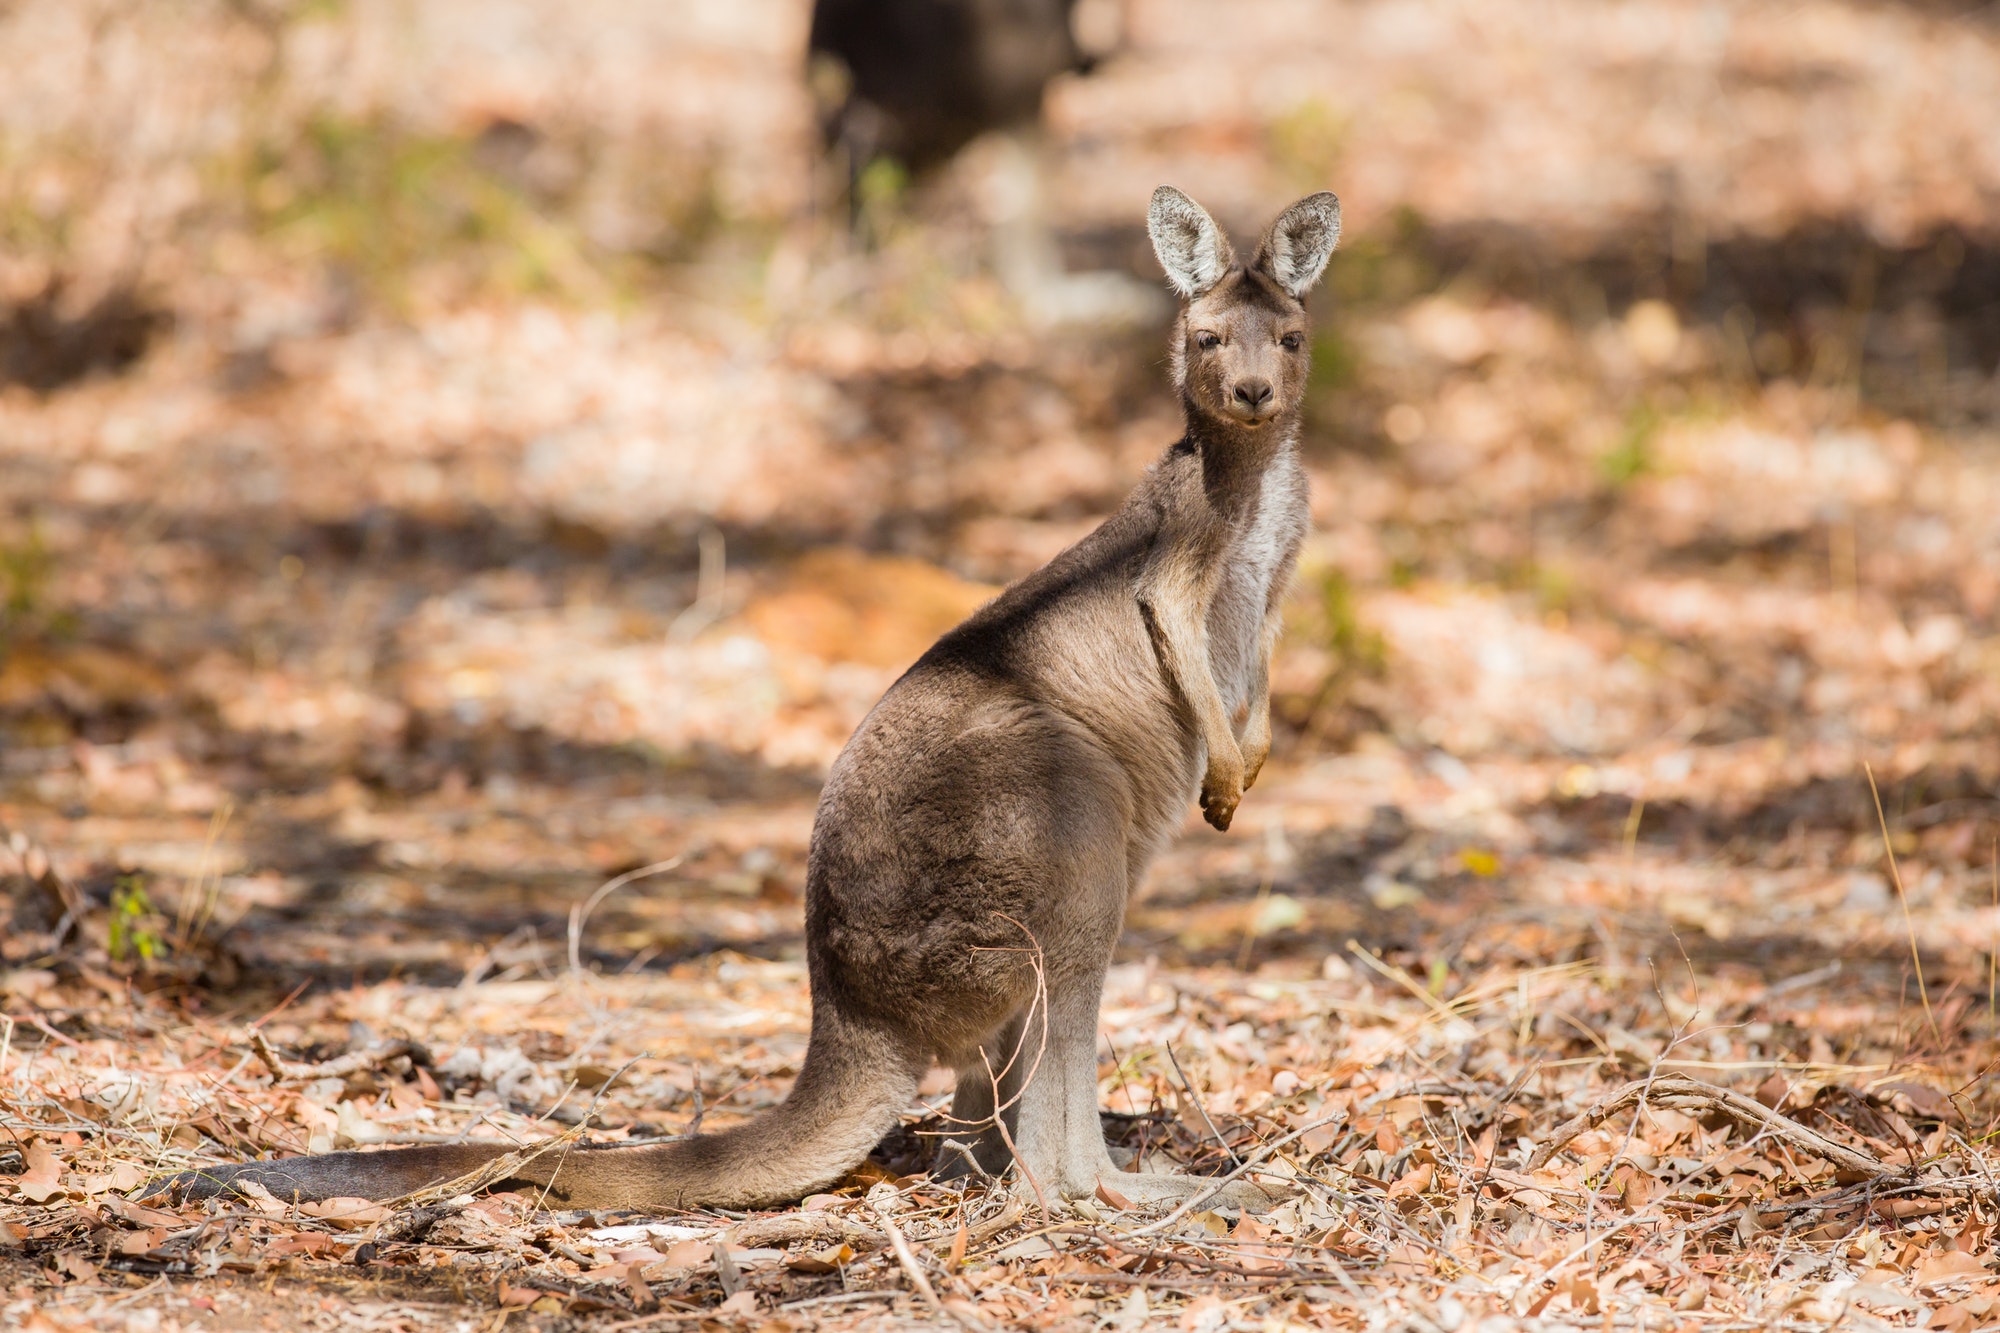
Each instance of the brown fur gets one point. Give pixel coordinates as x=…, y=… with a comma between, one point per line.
x=979, y=837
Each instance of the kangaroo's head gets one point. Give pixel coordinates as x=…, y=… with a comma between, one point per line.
x=1240, y=345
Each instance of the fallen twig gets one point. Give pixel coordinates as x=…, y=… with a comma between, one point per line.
x=1680, y=1093
x=1188, y=1087
x=372, y=1056
x=906, y=1257
x=791, y=1228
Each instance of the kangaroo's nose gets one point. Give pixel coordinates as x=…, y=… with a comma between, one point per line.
x=1253, y=394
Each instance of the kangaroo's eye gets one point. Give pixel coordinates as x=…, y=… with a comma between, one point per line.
x=1206, y=340
x=1293, y=341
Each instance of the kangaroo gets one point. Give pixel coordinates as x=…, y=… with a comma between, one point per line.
x=978, y=838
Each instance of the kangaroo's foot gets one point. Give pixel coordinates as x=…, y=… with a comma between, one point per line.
x=1150, y=1187
x=1159, y=1187
x=1060, y=1138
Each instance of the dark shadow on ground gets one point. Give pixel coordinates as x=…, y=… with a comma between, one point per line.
x=48, y=340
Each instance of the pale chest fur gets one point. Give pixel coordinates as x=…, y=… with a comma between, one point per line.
x=1259, y=559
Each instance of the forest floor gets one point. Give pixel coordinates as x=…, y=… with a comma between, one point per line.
x=428, y=669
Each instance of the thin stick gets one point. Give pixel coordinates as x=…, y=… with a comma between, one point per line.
x=963, y=1150
x=1631, y=840
x=1530, y=1287
x=1409, y=983
x=901, y=1245
x=1039, y=1002
x=1188, y=1088
x=368, y=1057
x=1993, y=954
x=1118, y=1064
x=1000, y=1123
x=36, y=1021
x=1909, y=926
x=499, y=1167
x=1678, y=1092
x=1196, y=1200
x=276, y=1009
x=581, y=912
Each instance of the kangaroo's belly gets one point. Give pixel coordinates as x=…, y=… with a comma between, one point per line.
x=1259, y=560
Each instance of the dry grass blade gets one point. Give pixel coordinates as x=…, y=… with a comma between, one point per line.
x=1903, y=898
x=579, y=915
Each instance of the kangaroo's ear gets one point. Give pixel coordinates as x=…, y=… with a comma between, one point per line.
x=1192, y=249
x=1300, y=242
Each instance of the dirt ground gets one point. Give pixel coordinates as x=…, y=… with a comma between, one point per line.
x=465, y=469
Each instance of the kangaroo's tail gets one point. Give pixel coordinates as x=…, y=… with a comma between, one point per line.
x=855, y=1082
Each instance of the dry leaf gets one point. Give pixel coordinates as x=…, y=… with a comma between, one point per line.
x=301, y=1242
x=76, y=1267
x=347, y=1213
x=1949, y=1266
x=138, y=1242
x=1901, y=1208
x=38, y=1183
x=512, y=1296
x=742, y=1305
x=255, y=1196
x=1880, y=1295
x=690, y=1253
x=140, y=1214
x=834, y=1257
x=1413, y=1182
x=1912, y=1098
x=1953, y=1318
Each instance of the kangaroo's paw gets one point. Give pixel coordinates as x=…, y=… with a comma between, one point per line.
x=1219, y=798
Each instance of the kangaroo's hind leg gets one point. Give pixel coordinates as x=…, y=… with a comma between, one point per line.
x=1061, y=1138
x=989, y=1083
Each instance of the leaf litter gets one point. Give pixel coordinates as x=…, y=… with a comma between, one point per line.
x=414, y=681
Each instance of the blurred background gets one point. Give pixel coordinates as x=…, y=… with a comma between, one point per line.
x=454, y=453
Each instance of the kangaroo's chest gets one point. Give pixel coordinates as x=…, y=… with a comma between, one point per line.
x=1258, y=559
